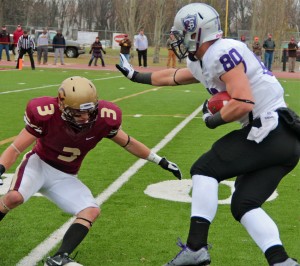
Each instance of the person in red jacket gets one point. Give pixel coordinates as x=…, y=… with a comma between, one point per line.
x=16, y=35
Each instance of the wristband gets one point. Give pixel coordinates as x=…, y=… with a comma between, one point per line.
x=214, y=121
x=153, y=157
x=144, y=78
x=2, y=169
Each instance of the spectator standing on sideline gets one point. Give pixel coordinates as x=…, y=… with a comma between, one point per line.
x=96, y=51
x=4, y=42
x=125, y=44
x=141, y=44
x=16, y=35
x=59, y=45
x=292, y=53
x=256, y=48
x=42, y=47
x=171, y=53
x=269, y=46
x=26, y=45
x=243, y=38
x=63, y=130
x=257, y=102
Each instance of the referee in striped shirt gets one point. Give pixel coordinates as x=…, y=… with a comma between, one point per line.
x=26, y=45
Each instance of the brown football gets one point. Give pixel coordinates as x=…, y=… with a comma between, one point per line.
x=217, y=101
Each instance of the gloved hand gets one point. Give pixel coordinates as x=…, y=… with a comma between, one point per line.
x=126, y=69
x=104, y=52
x=171, y=167
x=211, y=120
x=2, y=170
x=206, y=112
x=90, y=51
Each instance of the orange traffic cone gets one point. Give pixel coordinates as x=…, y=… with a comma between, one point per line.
x=20, y=64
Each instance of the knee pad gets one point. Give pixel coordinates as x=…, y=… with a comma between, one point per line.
x=239, y=206
x=202, y=167
x=199, y=169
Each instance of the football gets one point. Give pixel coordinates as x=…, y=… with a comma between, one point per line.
x=217, y=101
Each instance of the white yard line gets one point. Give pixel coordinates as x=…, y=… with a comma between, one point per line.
x=49, y=86
x=38, y=253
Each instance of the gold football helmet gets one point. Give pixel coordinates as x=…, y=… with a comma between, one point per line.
x=77, y=96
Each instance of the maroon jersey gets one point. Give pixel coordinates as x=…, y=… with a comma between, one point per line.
x=57, y=144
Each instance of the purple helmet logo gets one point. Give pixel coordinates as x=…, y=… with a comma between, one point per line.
x=189, y=23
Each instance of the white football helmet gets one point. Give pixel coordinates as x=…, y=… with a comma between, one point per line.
x=195, y=24
x=78, y=95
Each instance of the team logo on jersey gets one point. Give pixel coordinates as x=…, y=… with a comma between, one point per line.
x=190, y=22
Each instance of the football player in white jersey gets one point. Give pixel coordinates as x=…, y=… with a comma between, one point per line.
x=257, y=102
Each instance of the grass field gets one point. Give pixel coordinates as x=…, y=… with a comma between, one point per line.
x=134, y=228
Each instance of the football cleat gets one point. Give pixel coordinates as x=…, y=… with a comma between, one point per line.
x=189, y=257
x=60, y=260
x=288, y=262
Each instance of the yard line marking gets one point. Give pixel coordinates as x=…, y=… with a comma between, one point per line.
x=49, y=86
x=135, y=94
x=29, y=89
x=39, y=252
x=7, y=140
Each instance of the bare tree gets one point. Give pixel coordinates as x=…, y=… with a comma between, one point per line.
x=159, y=6
x=281, y=17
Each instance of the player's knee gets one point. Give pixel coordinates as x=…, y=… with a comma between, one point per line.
x=196, y=169
x=95, y=212
x=199, y=169
x=240, y=206
x=12, y=199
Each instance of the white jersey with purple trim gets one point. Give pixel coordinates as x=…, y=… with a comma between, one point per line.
x=223, y=56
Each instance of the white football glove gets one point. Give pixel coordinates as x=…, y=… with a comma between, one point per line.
x=126, y=69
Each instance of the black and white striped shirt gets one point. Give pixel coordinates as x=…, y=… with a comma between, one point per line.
x=25, y=42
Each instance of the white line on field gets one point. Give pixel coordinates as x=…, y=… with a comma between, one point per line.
x=38, y=253
x=49, y=86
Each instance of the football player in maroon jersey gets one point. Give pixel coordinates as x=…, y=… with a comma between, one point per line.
x=64, y=129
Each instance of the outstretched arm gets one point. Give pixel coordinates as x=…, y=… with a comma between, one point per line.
x=142, y=151
x=165, y=77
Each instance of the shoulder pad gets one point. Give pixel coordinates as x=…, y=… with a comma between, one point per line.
x=110, y=113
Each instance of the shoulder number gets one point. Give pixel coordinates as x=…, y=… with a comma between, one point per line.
x=109, y=113
x=45, y=110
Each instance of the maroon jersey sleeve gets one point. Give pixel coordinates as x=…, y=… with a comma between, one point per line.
x=38, y=112
x=110, y=115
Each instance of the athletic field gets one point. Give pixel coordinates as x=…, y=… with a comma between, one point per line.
x=144, y=208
